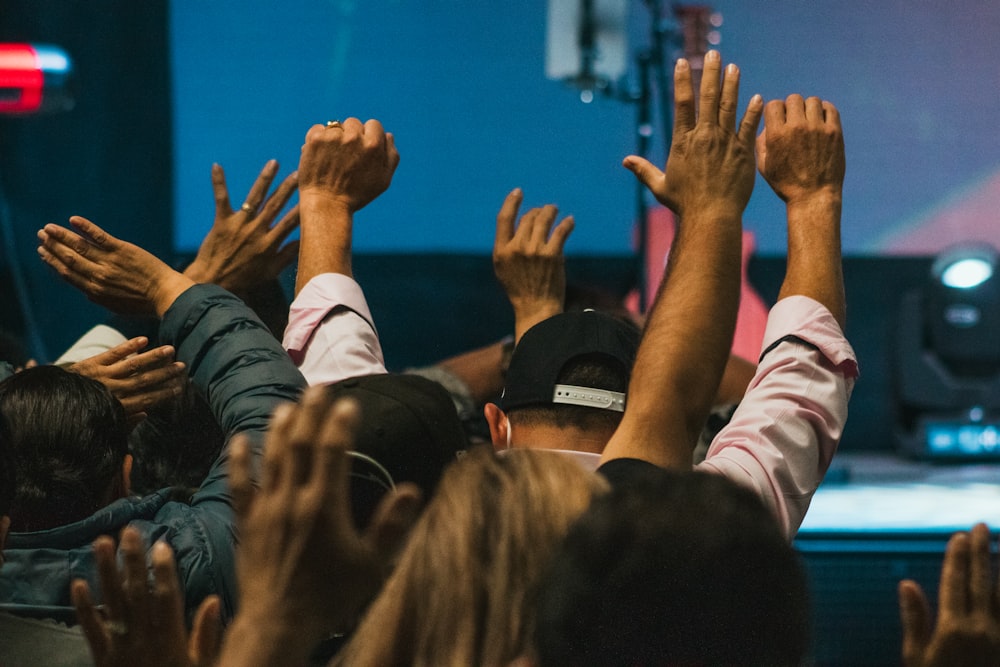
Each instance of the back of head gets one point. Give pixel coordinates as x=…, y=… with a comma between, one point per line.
x=462, y=590
x=572, y=369
x=68, y=439
x=176, y=444
x=680, y=568
x=409, y=432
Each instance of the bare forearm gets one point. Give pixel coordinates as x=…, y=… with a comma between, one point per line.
x=814, y=256
x=685, y=346
x=527, y=315
x=327, y=229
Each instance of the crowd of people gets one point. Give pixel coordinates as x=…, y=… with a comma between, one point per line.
x=257, y=488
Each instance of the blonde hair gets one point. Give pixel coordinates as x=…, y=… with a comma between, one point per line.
x=463, y=590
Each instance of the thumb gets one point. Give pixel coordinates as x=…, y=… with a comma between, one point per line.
x=648, y=174
x=762, y=152
x=393, y=519
x=914, y=614
x=206, y=633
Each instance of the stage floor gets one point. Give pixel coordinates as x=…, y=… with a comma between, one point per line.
x=883, y=493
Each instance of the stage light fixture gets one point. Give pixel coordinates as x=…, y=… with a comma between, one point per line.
x=34, y=78
x=946, y=366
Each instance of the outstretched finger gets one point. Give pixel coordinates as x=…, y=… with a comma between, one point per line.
x=953, y=594
x=279, y=199
x=301, y=443
x=92, y=233
x=332, y=463
x=980, y=574
x=507, y=217
x=120, y=352
x=90, y=620
x=223, y=209
x=288, y=224
x=240, y=476
x=167, y=608
x=561, y=233
x=915, y=619
x=273, y=472
x=111, y=585
x=708, y=101
x=260, y=187
x=161, y=357
x=684, y=114
x=542, y=224
x=135, y=575
x=206, y=632
x=729, y=101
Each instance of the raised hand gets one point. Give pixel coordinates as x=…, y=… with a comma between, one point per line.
x=801, y=155
x=116, y=274
x=303, y=568
x=143, y=623
x=528, y=261
x=801, y=150
x=346, y=164
x=242, y=249
x=967, y=632
x=139, y=380
x=710, y=167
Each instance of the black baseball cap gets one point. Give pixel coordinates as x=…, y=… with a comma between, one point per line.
x=545, y=350
x=409, y=432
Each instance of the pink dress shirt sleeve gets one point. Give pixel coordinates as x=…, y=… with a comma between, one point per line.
x=330, y=334
x=785, y=431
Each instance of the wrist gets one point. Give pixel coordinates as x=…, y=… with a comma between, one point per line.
x=199, y=272
x=824, y=198
x=323, y=203
x=263, y=639
x=171, y=286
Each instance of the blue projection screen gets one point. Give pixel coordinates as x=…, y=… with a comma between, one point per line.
x=462, y=86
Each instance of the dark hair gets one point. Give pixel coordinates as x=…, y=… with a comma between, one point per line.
x=176, y=444
x=596, y=371
x=68, y=436
x=6, y=475
x=680, y=568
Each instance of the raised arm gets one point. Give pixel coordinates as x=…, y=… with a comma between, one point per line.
x=304, y=569
x=139, y=380
x=801, y=154
x=229, y=353
x=331, y=333
x=343, y=167
x=243, y=249
x=708, y=180
x=967, y=631
x=529, y=263
x=785, y=432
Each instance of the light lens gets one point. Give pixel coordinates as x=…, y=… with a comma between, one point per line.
x=967, y=273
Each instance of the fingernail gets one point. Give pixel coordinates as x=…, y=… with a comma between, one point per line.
x=682, y=64
x=712, y=56
x=756, y=99
x=732, y=69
